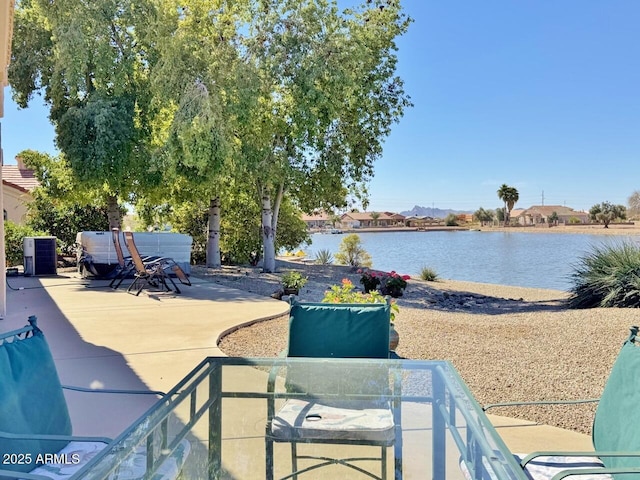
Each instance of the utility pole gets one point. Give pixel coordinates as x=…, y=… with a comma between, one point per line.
x=543, y=198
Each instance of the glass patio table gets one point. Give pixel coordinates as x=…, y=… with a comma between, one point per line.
x=221, y=410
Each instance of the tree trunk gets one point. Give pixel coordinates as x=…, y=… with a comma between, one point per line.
x=213, y=242
x=113, y=212
x=269, y=226
x=268, y=235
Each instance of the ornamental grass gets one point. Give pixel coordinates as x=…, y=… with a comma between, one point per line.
x=607, y=276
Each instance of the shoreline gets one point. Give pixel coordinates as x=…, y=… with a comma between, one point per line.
x=507, y=343
x=613, y=230
x=591, y=229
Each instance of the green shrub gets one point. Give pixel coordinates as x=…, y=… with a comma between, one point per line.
x=14, y=240
x=608, y=276
x=451, y=220
x=293, y=279
x=428, y=274
x=351, y=252
x=346, y=293
x=324, y=257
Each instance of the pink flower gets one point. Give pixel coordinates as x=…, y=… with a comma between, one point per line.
x=406, y=277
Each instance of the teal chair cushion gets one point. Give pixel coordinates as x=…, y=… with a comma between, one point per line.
x=31, y=399
x=325, y=330
x=617, y=422
x=331, y=330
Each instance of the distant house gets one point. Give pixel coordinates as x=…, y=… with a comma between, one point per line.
x=420, y=221
x=395, y=219
x=366, y=220
x=18, y=183
x=539, y=214
x=320, y=220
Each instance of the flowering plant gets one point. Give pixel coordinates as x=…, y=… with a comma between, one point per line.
x=387, y=283
x=369, y=280
x=344, y=293
x=392, y=281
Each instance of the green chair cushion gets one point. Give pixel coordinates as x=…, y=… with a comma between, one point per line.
x=617, y=423
x=329, y=330
x=31, y=398
x=325, y=330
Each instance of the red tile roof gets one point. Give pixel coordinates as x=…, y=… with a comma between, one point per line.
x=547, y=210
x=21, y=179
x=366, y=216
x=315, y=218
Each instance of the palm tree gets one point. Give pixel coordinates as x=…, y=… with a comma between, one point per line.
x=509, y=195
x=375, y=216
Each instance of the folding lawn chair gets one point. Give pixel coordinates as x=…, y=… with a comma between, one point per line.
x=323, y=330
x=125, y=264
x=615, y=434
x=153, y=272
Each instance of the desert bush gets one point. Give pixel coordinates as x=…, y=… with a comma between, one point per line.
x=324, y=257
x=293, y=279
x=351, y=252
x=428, y=274
x=607, y=276
x=451, y=220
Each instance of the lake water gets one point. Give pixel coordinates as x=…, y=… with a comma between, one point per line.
x=538, y=260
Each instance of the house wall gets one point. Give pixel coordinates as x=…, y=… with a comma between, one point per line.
x=317, y=223
x=349, y=223
x=15, y=204
x=6, y=29
x=538, y=219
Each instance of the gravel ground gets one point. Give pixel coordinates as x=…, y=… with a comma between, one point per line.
x=508, y=343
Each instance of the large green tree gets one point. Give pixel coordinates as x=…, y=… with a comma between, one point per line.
x=60, y=206
x=240, y=240
x=607, y=212
x=510, y=196
x=198, y=82
x=326, y=97
x=92, y=67
x=483, y=216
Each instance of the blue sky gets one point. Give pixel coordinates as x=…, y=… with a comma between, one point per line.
x=542, y=95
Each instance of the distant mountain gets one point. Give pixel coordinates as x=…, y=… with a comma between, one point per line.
x=419, y=211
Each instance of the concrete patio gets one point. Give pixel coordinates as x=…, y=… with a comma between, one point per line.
x=107, y=338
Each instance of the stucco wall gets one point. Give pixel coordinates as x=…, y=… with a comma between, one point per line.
x=15, y=202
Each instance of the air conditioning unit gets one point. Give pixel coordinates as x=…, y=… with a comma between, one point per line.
x=40, y=256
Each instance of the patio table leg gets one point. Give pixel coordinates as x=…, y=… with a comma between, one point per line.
x=439, y=429
x=215, y=424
